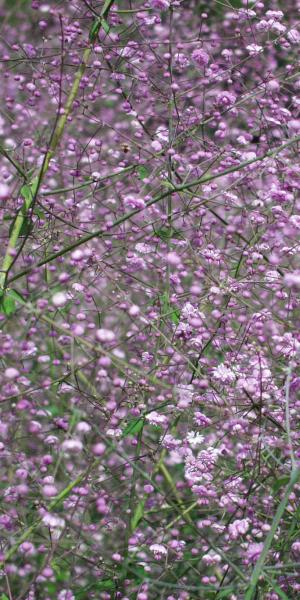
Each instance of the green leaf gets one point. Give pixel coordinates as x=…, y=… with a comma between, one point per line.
x=281, y=482
x=165, y=301
x=225, y=593
x=138, y=571
x=94, y=30
x=28, y=190
x=7, y=305
x=133, y=427
x=169, y=310
x=175, y=316
x=40, y=213
x=25, y=229
x=16, y=295
x=167, y=233
x=61, y=574
x=277, y=589
x=138, y=515
x=105, y=8
x=55, y=410
x=168, y=185
x=51, y=588
x=105, y=584
x=105, y=26
x=4, y=597
x=142, y=172
x=97, y=586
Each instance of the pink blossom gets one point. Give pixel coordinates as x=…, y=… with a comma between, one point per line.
x=159, y=551
x=200, y=57
x=4, y=191
x=238, y=528
x=105, y=335
x=150, y=211
x=11, y=373
x=253, y=551
x=225, y=99
x=294, y=36
x=59, y=299
x=254, y=49
x=292, y=279
x=155, y=418
x=160, y=4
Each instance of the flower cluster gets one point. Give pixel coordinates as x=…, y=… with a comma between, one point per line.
x=149, y=299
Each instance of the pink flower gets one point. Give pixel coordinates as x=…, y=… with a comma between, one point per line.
x=72, y=446
x=132, y=202
x=292, y=280
x=156, y=418
x=159, y=551
x=173, y=259
x=296, y=547
x=156, y=146
x=254, y=49
x=160, y=4
x=223, y=374
x=99, y=449
x=59, y=299
x=200, y=57
x=225, y=99
x=49, y=490
x=238, y=527
x=11, y=373
x=4, y=191
x=105, y=335
x=212, y=558
x=293, y=36
x=253, y=551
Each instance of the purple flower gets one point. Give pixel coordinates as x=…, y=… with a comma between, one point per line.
x=200, y=57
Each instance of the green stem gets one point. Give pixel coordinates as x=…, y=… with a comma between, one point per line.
x=17, y=166
x=186, y=517
x=288, y=415
x=131, y=507
x=174, y=190
x=89, y=182
x=295, y=475
x=55, y=139
x=124, y=367
x=59, y=498
x=13, y=239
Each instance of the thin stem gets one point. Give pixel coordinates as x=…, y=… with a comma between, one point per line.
x=14, y=236
x=88, y=182
x=9, y=257
x=57, y=500
x=295, y=475
x=17, y=166
x=118, y=363
x=154, y=200
x=287, y=414
x=175, y=505
x=131, y=508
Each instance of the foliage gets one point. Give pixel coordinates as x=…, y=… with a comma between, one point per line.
x=149, y=300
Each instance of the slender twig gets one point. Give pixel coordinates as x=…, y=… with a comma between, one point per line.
x=56, y=136
x=287, y=413
x=57, y=500
x=173, y=190
x=17, y=166
x=257, y=571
